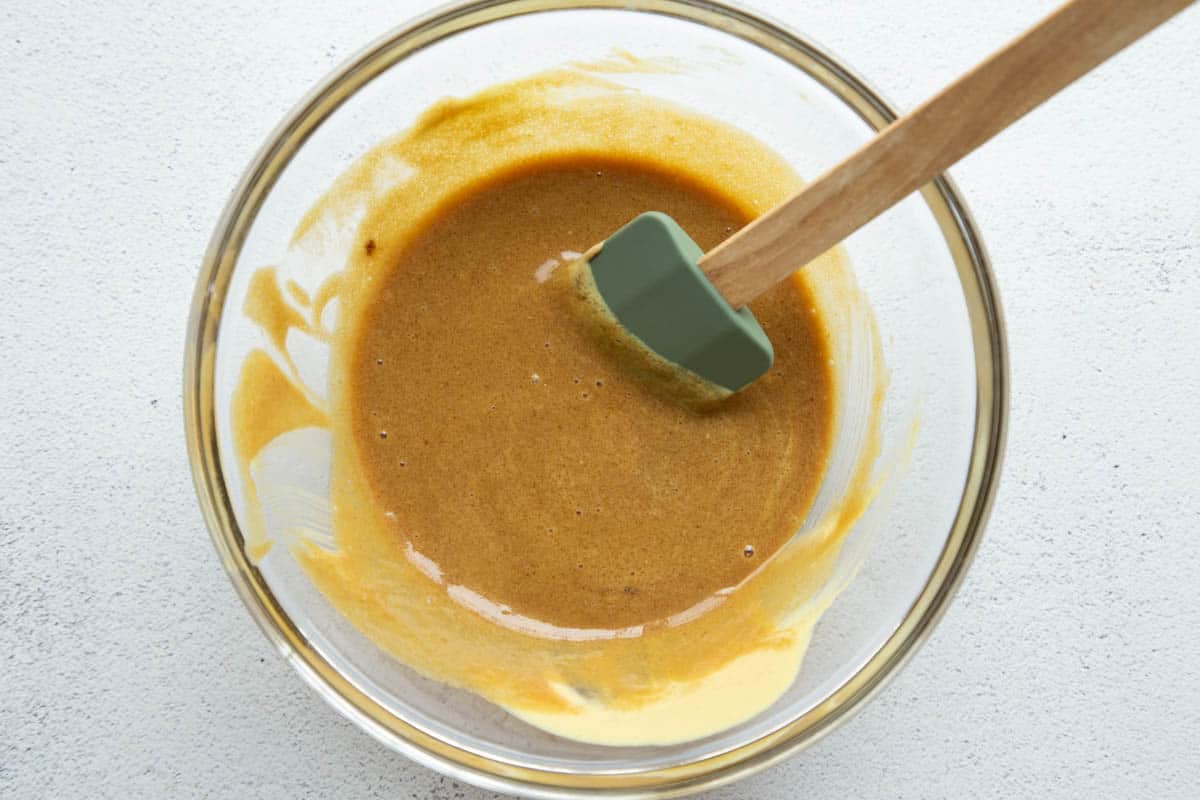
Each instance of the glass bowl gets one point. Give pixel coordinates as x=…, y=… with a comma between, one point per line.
x=921, y=266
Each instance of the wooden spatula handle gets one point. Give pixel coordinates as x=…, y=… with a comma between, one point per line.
x=915, y=148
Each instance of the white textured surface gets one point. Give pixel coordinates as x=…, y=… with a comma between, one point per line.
x=1066, y=668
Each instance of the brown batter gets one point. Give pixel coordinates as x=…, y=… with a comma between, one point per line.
x=524, y=462
x=511, y=509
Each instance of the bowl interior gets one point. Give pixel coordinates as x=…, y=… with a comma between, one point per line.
x=912, y=264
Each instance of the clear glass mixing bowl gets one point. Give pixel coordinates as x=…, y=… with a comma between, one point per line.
x=921, y=266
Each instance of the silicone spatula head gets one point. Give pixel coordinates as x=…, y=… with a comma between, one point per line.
x=647, y=275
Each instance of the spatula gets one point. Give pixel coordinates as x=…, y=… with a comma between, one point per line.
x=690, y=307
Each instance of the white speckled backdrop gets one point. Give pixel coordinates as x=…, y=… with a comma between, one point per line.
x=1067, y=666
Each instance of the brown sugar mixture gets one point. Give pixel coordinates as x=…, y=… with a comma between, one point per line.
x=524, y=461
x=512, y=508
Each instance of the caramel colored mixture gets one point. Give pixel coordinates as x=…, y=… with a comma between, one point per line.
x=512, y=509
x=523, y=460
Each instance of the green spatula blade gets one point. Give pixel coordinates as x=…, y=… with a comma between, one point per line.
x=648, y=276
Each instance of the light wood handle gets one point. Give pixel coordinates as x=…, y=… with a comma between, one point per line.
x=915, y=148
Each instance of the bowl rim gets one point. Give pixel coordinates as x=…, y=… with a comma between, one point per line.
x=456, y=761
